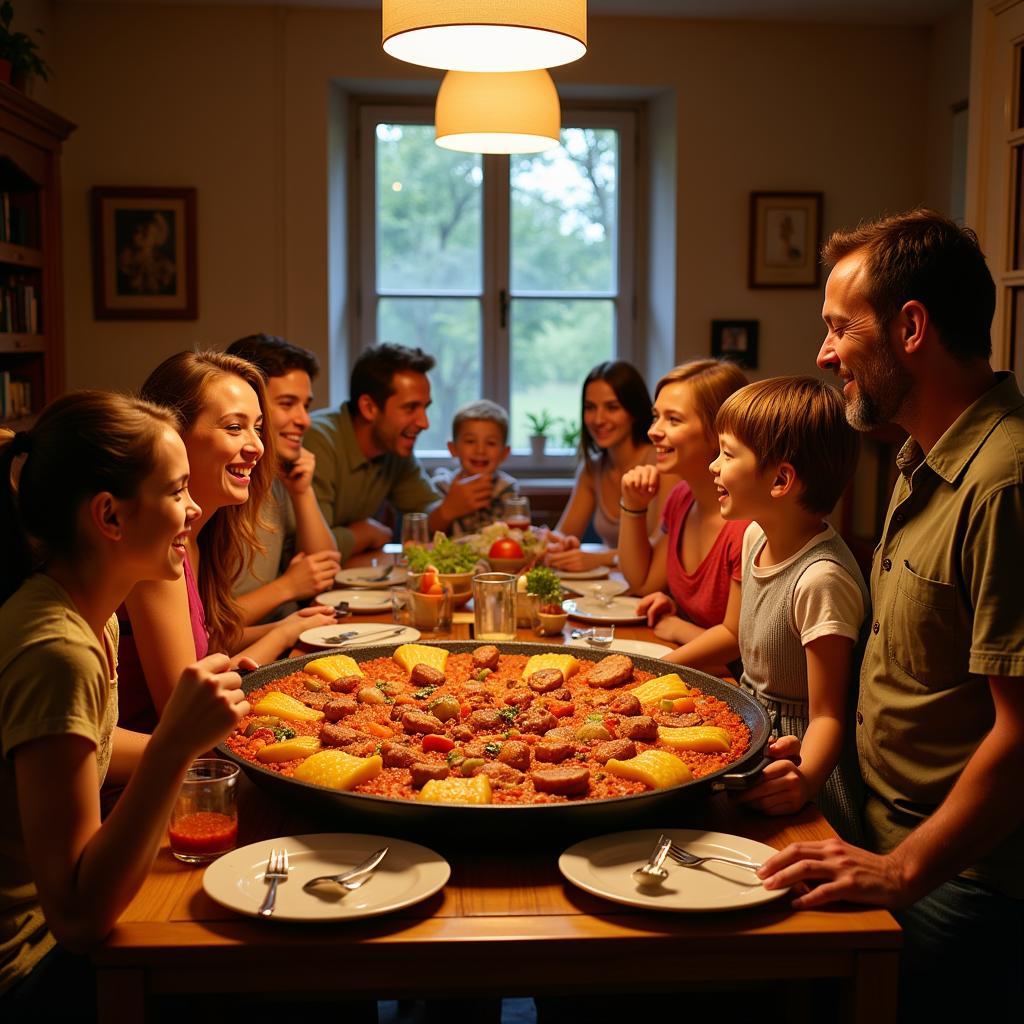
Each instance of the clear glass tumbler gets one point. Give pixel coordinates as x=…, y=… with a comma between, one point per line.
x=204, y=821
x=516, y=510
x=494, y=606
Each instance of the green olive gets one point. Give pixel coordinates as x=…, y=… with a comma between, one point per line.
x=371, y=695
x=445, y=708
x=471, y=765
x=316, y=685
x=263, y=722
x=593, y=731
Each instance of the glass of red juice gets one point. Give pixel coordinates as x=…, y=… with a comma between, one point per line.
x=204, y=822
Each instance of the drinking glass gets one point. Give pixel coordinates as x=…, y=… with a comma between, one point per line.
x=414, y=529
x=516, y=510
x=494, y=606
x=431, y=613
x=204, y=821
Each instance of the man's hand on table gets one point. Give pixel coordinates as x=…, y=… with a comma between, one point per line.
x=309, y=575
x=368, y=533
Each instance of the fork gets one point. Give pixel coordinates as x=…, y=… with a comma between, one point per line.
x=382, y=577
x=690, y=860
x=277, y=871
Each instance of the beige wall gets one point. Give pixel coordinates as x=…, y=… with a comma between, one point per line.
x=234, y=101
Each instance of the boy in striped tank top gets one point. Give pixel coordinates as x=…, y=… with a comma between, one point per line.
x=786, y=455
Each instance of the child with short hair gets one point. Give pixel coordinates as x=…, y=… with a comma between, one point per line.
x=480, y=443
x=786, y=454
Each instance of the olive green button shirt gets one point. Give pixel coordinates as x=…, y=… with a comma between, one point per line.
x=350, y=487
x=947, y=587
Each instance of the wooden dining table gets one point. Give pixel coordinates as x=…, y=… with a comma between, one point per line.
x=506, y=924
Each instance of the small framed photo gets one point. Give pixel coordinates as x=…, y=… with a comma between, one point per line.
x=785, y=236
x=735, y=340
x=144, y=253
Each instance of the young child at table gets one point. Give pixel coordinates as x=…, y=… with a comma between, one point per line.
x=480, y=443
x=786, y=455
x=93, y=499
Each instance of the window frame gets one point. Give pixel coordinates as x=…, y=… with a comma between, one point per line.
x=495, y=372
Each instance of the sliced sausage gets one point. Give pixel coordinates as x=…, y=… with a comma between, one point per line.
x=339, y=735
x=569, y=781
x=462, y=733
x=677, y=721
x=425, y=675
x=626, y=704
x=486, y=657
x=421, y=721
x=553, y=751
x=347, y=684
x=639, y=727
x=562, y=732
x=422, y=772
x=502, y=776
x=614, y=670
x=516, y=754
x=546, y=680
x=536, y=720
x=335, y=710
x=621, y=750
x=486, y=720
x=479, y=697
x=397, y=755
x=562, y=694
x=519, y=698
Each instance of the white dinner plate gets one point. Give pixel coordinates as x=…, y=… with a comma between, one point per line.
x=603, y=866
x=358, y=600
x=409, y=873
x=599, y=572
x=363, y=576
x=643, y=647
x=591, y=588
x=588, y=609
x=317, y=636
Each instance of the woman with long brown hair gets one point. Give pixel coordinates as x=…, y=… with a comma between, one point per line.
x=220, y=401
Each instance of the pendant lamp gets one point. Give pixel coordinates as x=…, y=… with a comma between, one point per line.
x=516, y=112
x=485, y=35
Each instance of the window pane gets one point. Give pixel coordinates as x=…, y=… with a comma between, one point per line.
x=565, y=214
x=428, y=212
x=555, y=344
x=449, y=329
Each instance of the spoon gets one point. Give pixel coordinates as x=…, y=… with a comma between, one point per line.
x=652, y=873
x=353, y=878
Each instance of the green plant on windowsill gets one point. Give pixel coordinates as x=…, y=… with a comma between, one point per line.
x=570, y=434
x=20, y=49
x=540, y=423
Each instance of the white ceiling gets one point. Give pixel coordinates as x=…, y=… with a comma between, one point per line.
x=863, y=12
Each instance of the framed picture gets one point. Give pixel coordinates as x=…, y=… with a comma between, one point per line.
x=735, y=340
x=785, y=236
x=144, y=253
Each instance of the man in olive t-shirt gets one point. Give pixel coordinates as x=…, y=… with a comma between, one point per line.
x=940, y=720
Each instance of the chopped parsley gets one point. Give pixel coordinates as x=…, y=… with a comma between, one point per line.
x=425, y=692
x=508, y=714
x=283, y=732
x=492, y=749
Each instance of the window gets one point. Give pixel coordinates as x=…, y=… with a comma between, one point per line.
x=514, y=273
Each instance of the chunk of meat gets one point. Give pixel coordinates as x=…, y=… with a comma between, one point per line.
x=519, y=698
x=546, y=680
x=562, y=732
x=639, y=727
x=536, y=720
x=553, y=751
x=626, y=704
x=516, y=754
x=397, y=755
x=347, y=684
x=339, y=735
x=614, y=670
x=462, y=733
x=421, y=721
x=486, y=720
x=502, y=776
x=562, y=694
x=335, y=710
x=486, y=657
x=568, y=781
x=425, y=675
x=478, y=697
x=677, y=721
x=423, y=771
x=621, y=750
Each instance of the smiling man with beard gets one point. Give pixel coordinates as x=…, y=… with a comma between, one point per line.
x=364, y=450
x=940, y=719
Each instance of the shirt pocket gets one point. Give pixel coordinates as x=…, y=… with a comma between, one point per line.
x=923, y=634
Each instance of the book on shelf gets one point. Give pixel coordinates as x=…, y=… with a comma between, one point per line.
x=15, y=397
x=19, y=305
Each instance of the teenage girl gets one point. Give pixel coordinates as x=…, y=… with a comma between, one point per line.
x=93, y=499
x=698, y=557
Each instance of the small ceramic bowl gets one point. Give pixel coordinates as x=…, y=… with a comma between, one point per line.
x=512, y=565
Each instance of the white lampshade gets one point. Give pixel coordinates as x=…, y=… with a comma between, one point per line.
x=497, y=113
x=485, y=35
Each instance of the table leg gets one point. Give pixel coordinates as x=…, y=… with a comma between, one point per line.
x=873, y=989
x=120, y=997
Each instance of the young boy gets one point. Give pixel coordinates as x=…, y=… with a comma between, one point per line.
x=480, y=443
x=786, y=455
x=278, y=577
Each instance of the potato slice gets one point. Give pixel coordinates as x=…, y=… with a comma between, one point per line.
x=334, y=666
x=706, y=739
x=565, y=663
x=662, y=688
x=654, y=768
x=411, y=655
x=476, y=790
x=288, y=708
x=288, y=750
x=338, y=770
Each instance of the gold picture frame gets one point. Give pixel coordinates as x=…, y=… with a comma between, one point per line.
x=785, y=239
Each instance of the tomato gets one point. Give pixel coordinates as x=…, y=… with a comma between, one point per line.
x=505, y=547
x=432, y=741
x=430, y=582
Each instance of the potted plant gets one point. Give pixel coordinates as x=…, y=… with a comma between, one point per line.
x=544, y=586
x=20, y=59
x=570, y=434
x=540, y=423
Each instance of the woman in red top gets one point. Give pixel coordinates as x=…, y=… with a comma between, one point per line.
x=697, y=558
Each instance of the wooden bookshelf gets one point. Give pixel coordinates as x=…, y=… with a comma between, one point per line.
x=31, y=290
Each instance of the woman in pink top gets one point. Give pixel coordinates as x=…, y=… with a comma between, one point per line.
x=698, y=556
